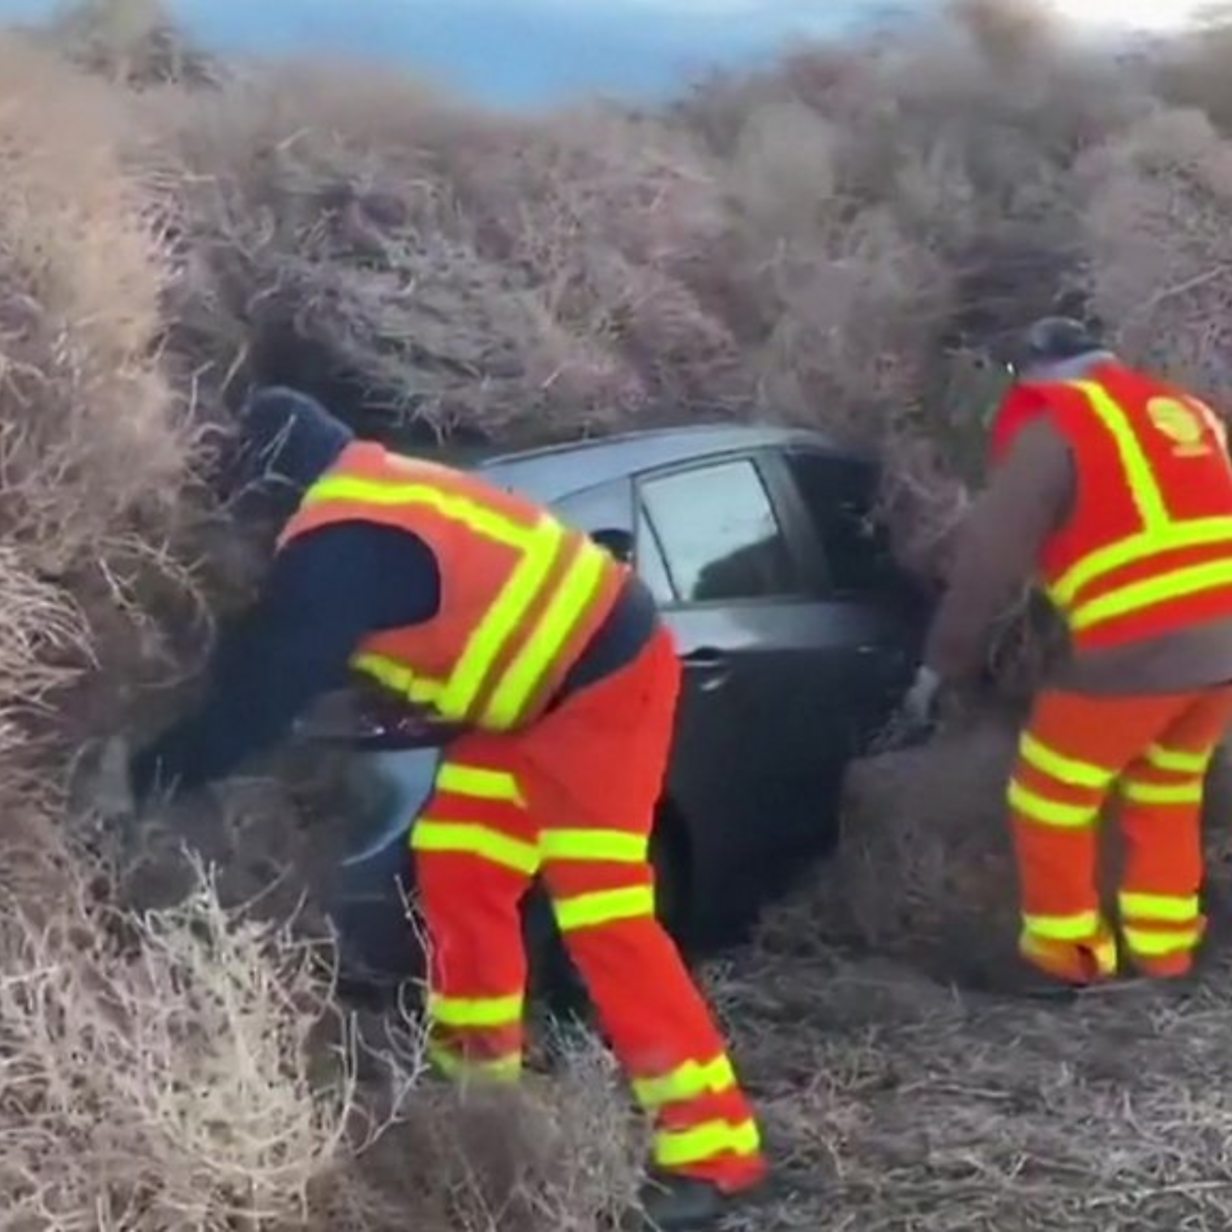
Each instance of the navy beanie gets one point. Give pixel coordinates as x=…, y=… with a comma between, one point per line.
x=288, y=438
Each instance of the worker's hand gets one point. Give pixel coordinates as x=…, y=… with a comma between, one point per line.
x=102, y=784
x=919, y=708
x=102, y=789
x=913, y=721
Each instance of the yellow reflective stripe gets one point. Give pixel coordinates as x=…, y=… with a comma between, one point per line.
x=397, y=677
x=385, y=494
x=1065, y=769
x=1176, y=762
x=477, y=782
x=538, y=545
x=687, y=1082
x=1138, y=470
x=1180, y=582
x=1162, y=793
x=476, y=840
x=1078, y=927
x=1200, y=532
x=498, y=1069
x=475, y=1011
x=1049, y=812
x=614, y=845
x=573, y=595
x=1160, y=532
x=500, y=621
x=603, y=907
x=1166, y=908
x=682, y=1147
x=1157, y=945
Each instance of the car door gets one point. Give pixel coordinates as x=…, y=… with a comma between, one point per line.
x=761, y=726
x=881, y=612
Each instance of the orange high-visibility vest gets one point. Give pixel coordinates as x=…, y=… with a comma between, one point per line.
x=521, y=594
x=1147, y=549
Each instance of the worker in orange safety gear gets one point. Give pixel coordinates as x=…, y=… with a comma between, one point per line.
x=546, y=659
x=1114, y=489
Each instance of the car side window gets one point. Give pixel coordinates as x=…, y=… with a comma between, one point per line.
x=719, y=535
x=840, y=496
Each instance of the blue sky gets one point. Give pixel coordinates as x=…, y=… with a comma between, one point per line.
x=531, y=52
x=522, y=51
x=525, y=50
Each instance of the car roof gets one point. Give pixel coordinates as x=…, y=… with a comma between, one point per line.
x=559, y=470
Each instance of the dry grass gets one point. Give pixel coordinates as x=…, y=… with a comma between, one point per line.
x=899, y=1101
x=833, y=242
x=418, y=261
x=156, y=1070
x=556, y=1154
x=167, y=1062
x=905, y=1105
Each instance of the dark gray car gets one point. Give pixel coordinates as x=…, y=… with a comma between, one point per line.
x=797, y=633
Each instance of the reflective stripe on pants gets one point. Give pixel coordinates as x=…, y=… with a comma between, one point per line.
x=1161, y=915
x=572, y=799
x=1054, y=797
x=1154, y=751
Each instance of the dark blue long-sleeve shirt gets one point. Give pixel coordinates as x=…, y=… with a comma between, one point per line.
x=325, y=593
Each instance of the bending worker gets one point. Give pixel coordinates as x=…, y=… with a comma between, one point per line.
x=1115, y=490
x=548, y=656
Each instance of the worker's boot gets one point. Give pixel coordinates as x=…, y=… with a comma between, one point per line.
x=1013, y=975
x=1048, y=970
x=1178, y=969
x=1174, y=977
x=673, y=1203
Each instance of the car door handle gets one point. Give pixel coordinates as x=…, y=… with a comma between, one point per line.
x=705, y=656
x=713, y=664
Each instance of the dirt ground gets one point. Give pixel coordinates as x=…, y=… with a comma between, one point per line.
x=894, y=1097
x=895, y=1101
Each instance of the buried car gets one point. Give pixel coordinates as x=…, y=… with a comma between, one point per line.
x=797, y=634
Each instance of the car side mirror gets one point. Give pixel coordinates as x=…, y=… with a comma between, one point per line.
x=618, y=542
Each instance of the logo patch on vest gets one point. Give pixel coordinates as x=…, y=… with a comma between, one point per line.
x=1181, y=424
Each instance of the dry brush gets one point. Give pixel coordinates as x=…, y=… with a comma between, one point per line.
x=838, y=242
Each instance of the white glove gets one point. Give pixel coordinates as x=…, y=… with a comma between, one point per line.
x=919, y=707
x=113, y=795
x=101, y=785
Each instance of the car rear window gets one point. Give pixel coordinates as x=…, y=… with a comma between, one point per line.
x=718, y=534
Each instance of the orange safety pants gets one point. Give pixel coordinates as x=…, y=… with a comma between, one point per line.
x=1077, y=752
x=573, y=798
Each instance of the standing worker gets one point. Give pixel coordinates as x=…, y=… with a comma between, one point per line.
x=548, y=656
x=1114, y=489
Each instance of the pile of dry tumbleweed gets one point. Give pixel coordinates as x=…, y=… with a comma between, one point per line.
x=833, y=242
